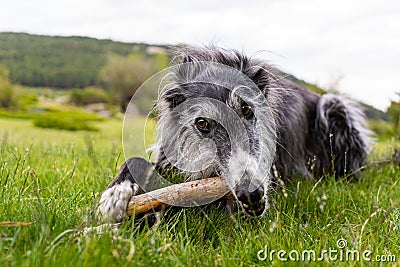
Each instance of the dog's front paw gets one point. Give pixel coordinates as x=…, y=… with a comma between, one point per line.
x=114, y=201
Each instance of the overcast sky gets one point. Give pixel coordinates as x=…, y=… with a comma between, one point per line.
x=352, y=45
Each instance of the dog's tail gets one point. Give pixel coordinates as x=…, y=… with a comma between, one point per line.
x=343, y=137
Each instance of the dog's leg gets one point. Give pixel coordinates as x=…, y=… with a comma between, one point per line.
x=114, y=200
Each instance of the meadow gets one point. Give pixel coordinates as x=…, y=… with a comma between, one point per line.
x=50, y=179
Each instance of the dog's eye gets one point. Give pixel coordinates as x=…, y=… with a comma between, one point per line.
x=202, y=125
x=247, y=111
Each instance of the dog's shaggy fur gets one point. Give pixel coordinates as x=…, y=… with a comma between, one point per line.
x=288, y=130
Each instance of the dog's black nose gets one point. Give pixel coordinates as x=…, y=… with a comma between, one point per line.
x=252, y=202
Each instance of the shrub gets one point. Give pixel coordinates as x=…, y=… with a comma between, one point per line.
x=15, y=114
x=88, y=96
x=67, y=120
x=123, y=75
x=394, y=116
x=26, y=101
x=7, y=91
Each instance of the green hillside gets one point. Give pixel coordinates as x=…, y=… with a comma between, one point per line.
x=59, y=62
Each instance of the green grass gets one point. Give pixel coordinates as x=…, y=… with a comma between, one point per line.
x=52, y=178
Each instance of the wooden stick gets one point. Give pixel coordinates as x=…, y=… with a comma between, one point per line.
x=200, y=191
x=185, y=194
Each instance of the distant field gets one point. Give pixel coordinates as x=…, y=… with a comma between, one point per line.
x=51, y=178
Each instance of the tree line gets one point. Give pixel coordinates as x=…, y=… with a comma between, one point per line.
x=59, y=62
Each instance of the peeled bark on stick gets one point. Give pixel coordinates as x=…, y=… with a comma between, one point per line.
x=184, y=194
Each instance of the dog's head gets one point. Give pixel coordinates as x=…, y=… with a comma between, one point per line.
x=216, y=117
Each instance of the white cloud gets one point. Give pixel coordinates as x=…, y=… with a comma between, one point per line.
x=315, y=40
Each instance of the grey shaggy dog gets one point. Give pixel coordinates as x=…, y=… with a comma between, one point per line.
x=249, y=136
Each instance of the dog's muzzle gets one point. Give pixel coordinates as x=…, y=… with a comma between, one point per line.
x=253, y=202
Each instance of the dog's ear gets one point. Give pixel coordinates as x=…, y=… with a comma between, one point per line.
x=175, y=97
x=260, y=77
